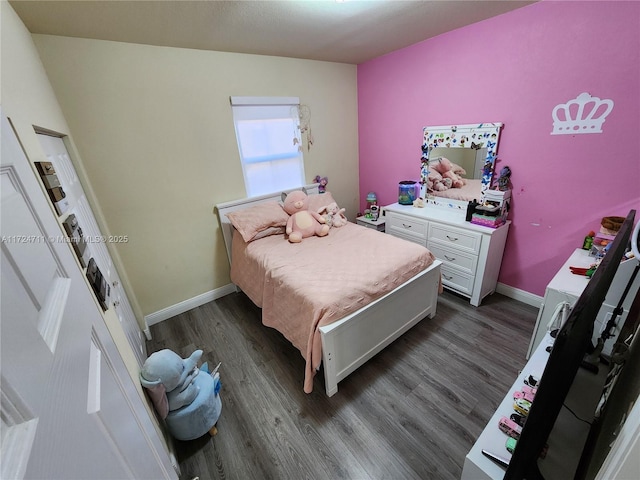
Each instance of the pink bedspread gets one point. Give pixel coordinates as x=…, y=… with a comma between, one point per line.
x=301, y=287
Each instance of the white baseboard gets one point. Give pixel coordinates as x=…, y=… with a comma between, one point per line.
x=184, y=306
x=520, y=295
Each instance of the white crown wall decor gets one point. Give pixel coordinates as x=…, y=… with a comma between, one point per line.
x=579, y=115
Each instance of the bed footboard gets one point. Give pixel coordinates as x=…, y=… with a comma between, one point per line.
x=350, y=342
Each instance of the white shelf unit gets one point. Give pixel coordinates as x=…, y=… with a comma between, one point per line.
x=567, y=287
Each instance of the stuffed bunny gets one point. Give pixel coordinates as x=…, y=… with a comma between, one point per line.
x=334, y=215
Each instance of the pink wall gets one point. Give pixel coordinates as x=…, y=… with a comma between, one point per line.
x=514, y=69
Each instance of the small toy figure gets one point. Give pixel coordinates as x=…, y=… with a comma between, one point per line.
x=504, y=179
x=323, y=183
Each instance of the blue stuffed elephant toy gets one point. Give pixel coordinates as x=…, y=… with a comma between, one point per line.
x=174, y=373
x=185, y=396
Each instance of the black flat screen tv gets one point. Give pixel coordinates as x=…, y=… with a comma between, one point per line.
x=572, y=343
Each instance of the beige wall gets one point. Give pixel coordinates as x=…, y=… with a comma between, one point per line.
x=154, y=129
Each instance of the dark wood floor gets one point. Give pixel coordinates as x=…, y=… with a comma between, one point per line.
x=413, y=411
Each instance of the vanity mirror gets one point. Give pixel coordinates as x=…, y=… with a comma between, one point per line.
x=472, y=147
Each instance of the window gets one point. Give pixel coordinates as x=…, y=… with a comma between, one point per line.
x=268, y=134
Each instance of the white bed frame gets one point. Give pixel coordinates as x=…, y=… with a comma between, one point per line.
x=351, y=341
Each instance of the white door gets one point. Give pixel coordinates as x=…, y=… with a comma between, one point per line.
x=57, y=154
x=69, y=408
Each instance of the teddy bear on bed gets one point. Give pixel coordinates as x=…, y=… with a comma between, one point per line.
x=302, y=222
x=333, y=215
x=448, y=170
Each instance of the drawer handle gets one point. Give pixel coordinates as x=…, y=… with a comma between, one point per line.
x=406, y=226
x=447, y=278
x=451, y=259
x=453, y=239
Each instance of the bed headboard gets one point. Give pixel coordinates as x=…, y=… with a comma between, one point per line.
x=224, y=208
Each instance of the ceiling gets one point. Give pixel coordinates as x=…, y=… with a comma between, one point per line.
x=336, y=31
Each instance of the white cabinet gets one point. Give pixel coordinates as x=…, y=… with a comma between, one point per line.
x=471, y=254
x=567, y=287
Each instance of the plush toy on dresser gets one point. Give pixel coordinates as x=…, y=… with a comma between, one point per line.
x=303, y=222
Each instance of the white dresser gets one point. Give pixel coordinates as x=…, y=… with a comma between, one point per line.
x=471, y=254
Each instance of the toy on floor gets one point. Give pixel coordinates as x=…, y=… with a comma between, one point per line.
x=186, y=397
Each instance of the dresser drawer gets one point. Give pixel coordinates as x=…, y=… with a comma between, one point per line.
x=463, y=261
x=452, y=278
x=407, y=237
x=460, y=240
x=407, y=227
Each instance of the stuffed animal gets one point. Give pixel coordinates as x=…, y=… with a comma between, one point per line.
x=436, y=183
x=445, y=168
x=165, y=372
x=303, y=222
x=447, y=183
x=333, y=215
x=458, y=170
x=183, y=395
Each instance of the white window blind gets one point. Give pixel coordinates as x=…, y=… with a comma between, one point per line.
x=268, y=135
